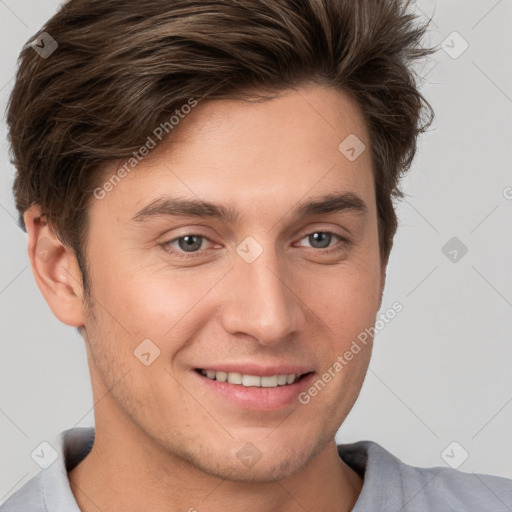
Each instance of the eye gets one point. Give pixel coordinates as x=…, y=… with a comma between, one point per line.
x=190, y=243
x=323, y=239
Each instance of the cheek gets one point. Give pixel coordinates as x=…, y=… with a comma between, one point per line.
x=345, y=305
x=346, y=299
x=156, y=303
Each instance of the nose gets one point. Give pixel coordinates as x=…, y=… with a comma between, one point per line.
x=260, y=300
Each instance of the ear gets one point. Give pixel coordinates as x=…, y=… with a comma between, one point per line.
x=55, y=269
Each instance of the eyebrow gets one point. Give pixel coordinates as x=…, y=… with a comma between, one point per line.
x=170, y=206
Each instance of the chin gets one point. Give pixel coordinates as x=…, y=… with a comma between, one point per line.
x=260, y=461
x=266, y=470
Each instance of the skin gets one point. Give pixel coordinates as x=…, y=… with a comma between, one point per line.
x=164, y=442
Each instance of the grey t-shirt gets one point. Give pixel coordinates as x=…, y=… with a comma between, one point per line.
x=389, y=484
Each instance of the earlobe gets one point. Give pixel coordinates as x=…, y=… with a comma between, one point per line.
x=55, y=269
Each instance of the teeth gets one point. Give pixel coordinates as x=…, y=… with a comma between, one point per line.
x=281, y=379
x=221, y=376
x=271, y=381
x=235, y=378
x=251, y=380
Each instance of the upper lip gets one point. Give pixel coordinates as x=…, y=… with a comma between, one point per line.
x=257, y=369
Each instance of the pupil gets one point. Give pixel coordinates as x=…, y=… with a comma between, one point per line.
x=190, y=243
x=320, y=240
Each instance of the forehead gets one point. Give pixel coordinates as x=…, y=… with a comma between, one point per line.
x=254, y=154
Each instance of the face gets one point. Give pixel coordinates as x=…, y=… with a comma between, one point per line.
x=266, y=287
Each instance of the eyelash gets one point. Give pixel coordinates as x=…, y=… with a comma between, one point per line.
x=343, y=243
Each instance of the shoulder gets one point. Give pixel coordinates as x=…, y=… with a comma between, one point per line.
x=49, y=490
x=28, y=498
x=392, y=483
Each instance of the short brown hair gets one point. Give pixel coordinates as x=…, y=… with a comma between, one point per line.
x=122, y=67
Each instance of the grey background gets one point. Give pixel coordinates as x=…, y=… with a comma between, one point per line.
x=440, y=371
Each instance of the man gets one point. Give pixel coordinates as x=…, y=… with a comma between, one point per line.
x=207, y=191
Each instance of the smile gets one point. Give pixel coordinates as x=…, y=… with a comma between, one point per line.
x=268, y=381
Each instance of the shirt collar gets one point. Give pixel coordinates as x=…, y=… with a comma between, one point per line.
x=72, y=446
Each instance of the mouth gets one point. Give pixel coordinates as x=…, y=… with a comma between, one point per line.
x=253, y=387
x=257, y=381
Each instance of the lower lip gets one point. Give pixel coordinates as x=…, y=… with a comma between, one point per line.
x=257, y=398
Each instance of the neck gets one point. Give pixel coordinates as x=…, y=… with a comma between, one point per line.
x=129, y=471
